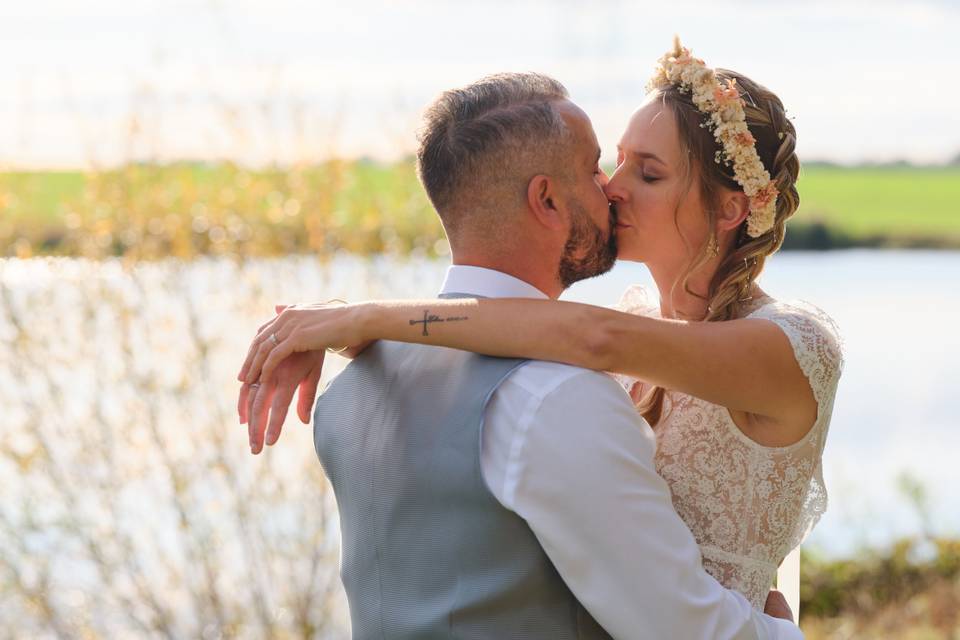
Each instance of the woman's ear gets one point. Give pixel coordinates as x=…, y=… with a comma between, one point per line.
x=542, y=202
x=734, y=209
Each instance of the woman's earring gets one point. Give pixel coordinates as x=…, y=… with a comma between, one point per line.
x=713, y=247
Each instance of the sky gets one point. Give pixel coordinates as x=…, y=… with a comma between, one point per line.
x=105, y=81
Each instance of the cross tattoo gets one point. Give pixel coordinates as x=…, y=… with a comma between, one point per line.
x=427, y=319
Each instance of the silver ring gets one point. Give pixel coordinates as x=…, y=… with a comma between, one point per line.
x=273, y=339
x=254, y=385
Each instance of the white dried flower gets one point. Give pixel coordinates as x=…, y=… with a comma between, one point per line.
x=723, y=106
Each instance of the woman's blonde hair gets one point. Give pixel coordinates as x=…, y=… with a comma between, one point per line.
x=775, y=143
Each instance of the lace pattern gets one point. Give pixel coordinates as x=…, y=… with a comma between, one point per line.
x=747, y=504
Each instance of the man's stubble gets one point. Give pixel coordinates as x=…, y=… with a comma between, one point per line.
x=587, y=252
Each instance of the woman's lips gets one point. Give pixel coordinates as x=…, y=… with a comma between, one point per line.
x=615, y=218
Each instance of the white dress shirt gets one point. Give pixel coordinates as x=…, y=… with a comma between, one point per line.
x=565, y=449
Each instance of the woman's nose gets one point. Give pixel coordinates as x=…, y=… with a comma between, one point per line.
x=613, y=189
x=604, y=179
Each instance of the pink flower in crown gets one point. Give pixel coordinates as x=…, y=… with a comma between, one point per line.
x=765, y=196
x=729, y=94
x=723, y=106
x=744, y=138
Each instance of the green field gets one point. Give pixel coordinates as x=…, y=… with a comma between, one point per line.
x=188, y=209
x=889, y=202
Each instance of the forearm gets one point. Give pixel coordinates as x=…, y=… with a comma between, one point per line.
x=512, y=327
x=744, y=365
x=660, y=351
x=583, y=335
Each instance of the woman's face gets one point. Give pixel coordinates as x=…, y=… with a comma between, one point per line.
x=656, y=191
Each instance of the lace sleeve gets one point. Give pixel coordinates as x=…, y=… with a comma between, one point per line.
x=816, y=344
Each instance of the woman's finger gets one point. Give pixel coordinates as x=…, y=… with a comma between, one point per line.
x=278, y=411
x=251, y=397
x=258, y=415
x=251, y=351
x=254, y=372
x=255, y=345
x=242, y=402
x=263, y=333
x=275, y=356
x=308, y=390
x=264, y=347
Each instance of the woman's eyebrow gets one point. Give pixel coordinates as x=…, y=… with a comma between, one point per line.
x=647, y=154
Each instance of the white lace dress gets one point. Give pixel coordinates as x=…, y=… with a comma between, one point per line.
x=747, y=504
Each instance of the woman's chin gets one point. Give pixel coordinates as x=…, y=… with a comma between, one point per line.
x=628, y=250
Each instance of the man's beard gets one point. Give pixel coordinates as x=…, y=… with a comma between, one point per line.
x=587, y=253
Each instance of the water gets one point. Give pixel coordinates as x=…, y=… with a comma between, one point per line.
x=896, y=409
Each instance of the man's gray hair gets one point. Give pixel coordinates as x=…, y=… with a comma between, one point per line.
x=481, y=144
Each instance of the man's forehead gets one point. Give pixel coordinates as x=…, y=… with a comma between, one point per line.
x=572, y=113
x=578, y=121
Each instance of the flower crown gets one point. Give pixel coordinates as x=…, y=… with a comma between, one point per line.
x=724, y=107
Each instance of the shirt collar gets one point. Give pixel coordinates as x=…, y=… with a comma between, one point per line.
x=488, y=283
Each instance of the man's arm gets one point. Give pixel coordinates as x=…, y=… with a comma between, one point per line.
x=584, y=479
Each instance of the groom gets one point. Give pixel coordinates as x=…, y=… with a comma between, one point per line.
x=497, y=498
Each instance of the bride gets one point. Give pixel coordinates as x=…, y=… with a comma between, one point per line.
x=738, y=386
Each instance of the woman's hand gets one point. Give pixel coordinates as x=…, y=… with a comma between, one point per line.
x=264, y=406
x=298, y=328
x=777, y=606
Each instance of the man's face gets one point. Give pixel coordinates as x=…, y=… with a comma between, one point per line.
x=591, y=247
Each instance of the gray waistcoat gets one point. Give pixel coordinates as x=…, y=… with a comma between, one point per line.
x=428, y=551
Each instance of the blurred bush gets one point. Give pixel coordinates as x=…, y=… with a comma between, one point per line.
x=873, y=580
x=147, y=211
x=188, y=209
x=131, y=505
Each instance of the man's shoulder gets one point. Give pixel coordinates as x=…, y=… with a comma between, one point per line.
x=541, y=379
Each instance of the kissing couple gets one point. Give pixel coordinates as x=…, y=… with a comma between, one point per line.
x=507, y=465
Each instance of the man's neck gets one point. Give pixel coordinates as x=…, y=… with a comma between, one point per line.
x=519, y=268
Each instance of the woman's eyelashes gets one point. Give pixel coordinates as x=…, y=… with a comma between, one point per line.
x=646, y=174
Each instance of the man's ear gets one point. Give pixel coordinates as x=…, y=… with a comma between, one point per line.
x=734, y=209
x=542, y=202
